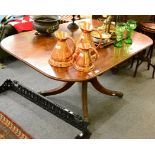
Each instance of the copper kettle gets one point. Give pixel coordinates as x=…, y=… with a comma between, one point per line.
x=61, y=55
x=86, y=36
x=84, y=57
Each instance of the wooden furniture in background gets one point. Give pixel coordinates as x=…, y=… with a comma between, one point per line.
x=147, y=28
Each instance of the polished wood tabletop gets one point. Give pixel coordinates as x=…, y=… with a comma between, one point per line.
x=34, y=50
x=148, y=26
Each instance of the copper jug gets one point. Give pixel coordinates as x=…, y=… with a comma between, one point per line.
x=86, y=36
x=84, y=57
x=61, y=55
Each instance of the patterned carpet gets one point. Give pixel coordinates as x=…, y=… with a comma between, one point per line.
x=10, y=130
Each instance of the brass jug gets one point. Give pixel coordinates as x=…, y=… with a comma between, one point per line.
x=84, y=57
x=61, y=55
x=86, y=36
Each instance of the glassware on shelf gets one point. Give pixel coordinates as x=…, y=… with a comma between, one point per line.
x=119, y=30
x=131, y=25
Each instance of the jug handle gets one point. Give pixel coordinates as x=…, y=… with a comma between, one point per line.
x=75, y=54
x=96, y=52
x=73, y=43
x=100, y=42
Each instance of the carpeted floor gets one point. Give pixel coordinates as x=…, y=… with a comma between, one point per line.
x=133, y=116
x=2, y=66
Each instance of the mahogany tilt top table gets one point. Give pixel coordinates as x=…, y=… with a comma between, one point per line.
x=35, y=51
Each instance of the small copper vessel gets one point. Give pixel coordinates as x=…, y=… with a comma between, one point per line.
x=84, y=57
x=61, y=55
x=86, y=36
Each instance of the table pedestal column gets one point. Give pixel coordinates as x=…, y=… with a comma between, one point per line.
x=95, y=84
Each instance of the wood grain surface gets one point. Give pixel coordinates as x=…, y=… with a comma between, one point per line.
x=35, y=51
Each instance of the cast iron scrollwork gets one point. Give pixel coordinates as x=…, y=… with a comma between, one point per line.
x=61, y=112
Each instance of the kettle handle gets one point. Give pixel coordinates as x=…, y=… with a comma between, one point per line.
x=72, y=42
x=100, y=42
x=94, y=56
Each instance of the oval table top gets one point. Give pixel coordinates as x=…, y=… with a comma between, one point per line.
x=35, y=51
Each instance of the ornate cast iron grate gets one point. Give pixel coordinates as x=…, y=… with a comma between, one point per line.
x=62, y=113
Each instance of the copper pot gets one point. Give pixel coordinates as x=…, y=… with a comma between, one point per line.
x=61, y=55
x=84, y=57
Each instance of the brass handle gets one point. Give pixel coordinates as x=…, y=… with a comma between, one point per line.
x=75, y=54
x=100, y=42
x=73, y=43
x=94, y=56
